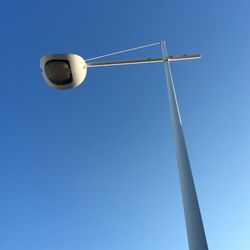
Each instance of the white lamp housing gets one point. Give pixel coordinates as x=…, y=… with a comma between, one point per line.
x=63, y=71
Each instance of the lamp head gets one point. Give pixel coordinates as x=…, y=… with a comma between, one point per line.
x=63, y=71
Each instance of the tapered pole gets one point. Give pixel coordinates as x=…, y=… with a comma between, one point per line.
x=194, y=225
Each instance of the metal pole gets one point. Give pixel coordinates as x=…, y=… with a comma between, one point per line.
x=194, y=225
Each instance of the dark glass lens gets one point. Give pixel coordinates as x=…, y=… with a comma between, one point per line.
x=58, y=72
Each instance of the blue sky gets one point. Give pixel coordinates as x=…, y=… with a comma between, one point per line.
x=94, y=167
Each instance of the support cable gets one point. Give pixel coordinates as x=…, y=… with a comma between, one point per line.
x=122, y=51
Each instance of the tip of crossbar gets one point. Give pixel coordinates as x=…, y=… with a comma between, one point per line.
x=184, y=57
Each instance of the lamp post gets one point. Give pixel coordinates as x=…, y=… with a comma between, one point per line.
x=194, y=225
x=64, y=71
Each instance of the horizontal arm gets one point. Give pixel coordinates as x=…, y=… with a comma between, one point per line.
x=184, y=57
x=142, y=61
x=126, y=62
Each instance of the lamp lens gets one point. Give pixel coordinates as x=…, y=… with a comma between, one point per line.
x=58, y=72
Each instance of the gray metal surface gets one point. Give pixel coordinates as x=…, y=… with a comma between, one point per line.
x=141, y=61
x=194, y=225
x=125, y=62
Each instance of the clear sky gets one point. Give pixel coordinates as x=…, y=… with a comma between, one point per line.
x=94, y=168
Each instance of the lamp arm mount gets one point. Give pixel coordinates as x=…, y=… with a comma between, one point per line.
x=143, y=61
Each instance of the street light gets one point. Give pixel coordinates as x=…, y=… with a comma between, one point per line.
x=64, y=71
